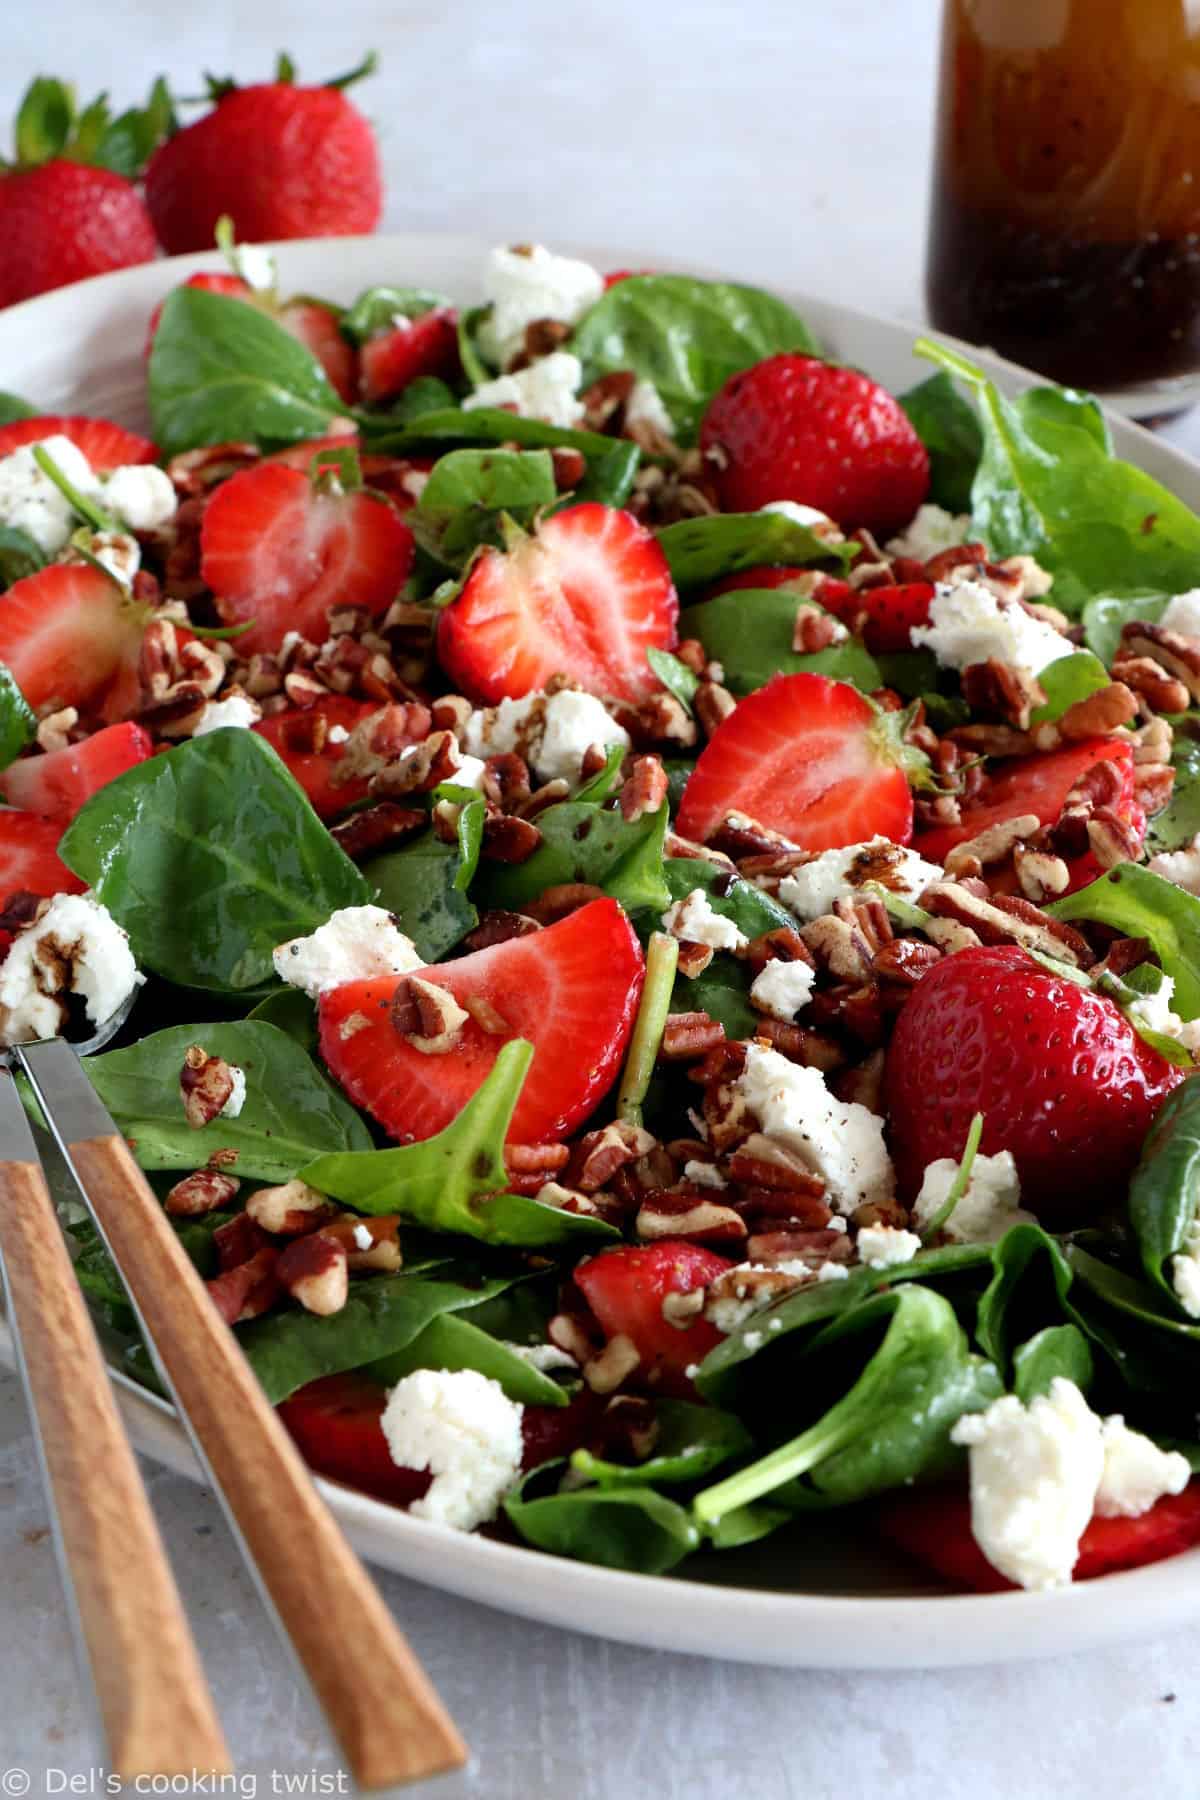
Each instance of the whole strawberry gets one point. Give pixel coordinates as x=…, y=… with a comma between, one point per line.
x=796, y=428
x=68, y=208
x=282, y=161
x=1061, y=1077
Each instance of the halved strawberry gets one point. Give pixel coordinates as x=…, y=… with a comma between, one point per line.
x=105, y=445
x=336, y=1425
x=232, y=286
x=291, y=735
x=1030, y=784
x=282, y=550
x=807, y=756
x=56, y=785
x=316, y=327
x=424, y=346
x=626, y=1288
x=69, y=634
x=29, y=860
x=585, y=595
x=571, y=989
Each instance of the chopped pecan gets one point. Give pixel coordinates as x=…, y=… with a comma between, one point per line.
x=879, y=1212
x=951, y=936
x=814, y=629
x=999, y=690
x=606, y=399
x=693, y=958
x=836, y=946
x=1112, y=839
x=247, y=1290
x=509, y=840
x=54, y=731
x=713, y=704
x=1151, y=682
x=682, y=1310
x=568, y=1332
x=1041, y=875
x=659, y=720
x=549, y=794
x=812, y=1049
x=506, y=782
x=1152, y=742
x=597, y=1157
x=372, y=1244
x=689, y=1035
x=1008, y=920
x=499, y=927
x=381, y=738
x=904, y=961
x=1179, y=656
x=418, y=770
x=289, y=1210
x=486, y=1016
x=605, y=1371
x=862, y=1084
x=783, y=944
x=1153, y=784
x=762, y=1162
x=1100, y=713
x=315, y=1271
x=204, y=1192
x=194, y=472
x=739, y=836
x=206, y=1084
x=992, y=845
x=644, y=789
x=554, y=903
x=426, y=1016
x=689, y=1214
x=811, y=1247
x=365, y=832
x=530, y=1167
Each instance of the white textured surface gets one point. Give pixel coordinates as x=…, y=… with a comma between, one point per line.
x=786, y=142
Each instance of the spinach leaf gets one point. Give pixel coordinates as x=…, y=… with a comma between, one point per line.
x=609, y=475
x=1027, y=1290
x=97, y=1273
x=221, y=370
x=618, y=1527
x=13, y=408
x=209, y=856
x=892, y=1424
x=456, y=1181
x=424, y=885
x=947, y=426
x=1066, y=681
x=606, y=781
x=19, y=555
x=1137, y=903
x=1105, y=617
x=453, y=1341
x=750, y=630
x=581, y=842
x=1165, y=1189
x=481, y=425
x=914, y=675
x=1056, y=1350
x=18, y=722
x=291, y=1112
x=702, y=550
x=467, y=490
x=1179, y=821
x=289, y=1011
x=1047, y=484
x=687, y=336
x=474, y=363
x=722, y=990
x=382, y=1314
x=675, y=676
x=425, y=394
x=692, y=1441
x=746, y=1525
x=1128, y=1296
x=376, y=307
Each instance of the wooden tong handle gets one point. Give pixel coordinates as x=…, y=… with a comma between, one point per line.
x=386, y=1715
x=155, y=1706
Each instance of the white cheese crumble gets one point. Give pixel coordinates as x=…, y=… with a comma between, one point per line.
x=1153, y=1011
x=990, y=1206
x=841, y=1142
x=357, y=943
x=781, y=988
x=819, y=523
x=76, y=947
x=233, y=1106
x=1183, y=614
x=1136, y=1472
x=255, y=265
x=645, y=407
x=544, y=1357
x=811, y=890
x=1179, y=866
x=141, y=495
x=522, y=286
x=238, y=711
x=548, y=389
x=932, y=530
x=1185, y=1272
x=968, y=624
x=29, y=500
x=469, y=772
x=886, y=1246
x=833, y=1271
x=694, y=920
x=337, y=734
x=704, y=1174
x=362, y=1237
x=553, y=732
x=464, y=1429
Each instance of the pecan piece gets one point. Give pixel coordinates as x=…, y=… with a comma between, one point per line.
x=644, y=789
x=692, y=1216
x=499, y=927
x=689, y=1035
x=365, y=832
x=289, y=1210
x=598, y=1156
x=509, y=840
x=372, y=1244
x=206, y=1084
x=249, y=1289
x=204, y=1192
x=315, y=1271
x=428, y=1016
x=605, y=1372
x=992, y=845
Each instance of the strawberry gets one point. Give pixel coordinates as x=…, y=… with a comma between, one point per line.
x=1032, y=784
x=626, y=1288
x=427, y=345
x=806, y=756
x=29, y=860
x=282, y=161
x=572, y=990
x=57, y=784
x=70, y=636
x=281, y=549
x=105, y=445
x=796, y=428
x=550, y=1432
x=884, y=616
x=585, y=595
x=316, y=326
x=988, y=1028
x=336, y=1425
x=291, y=734
x=933, y=1525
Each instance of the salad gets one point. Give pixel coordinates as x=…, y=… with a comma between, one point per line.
x=659, y=886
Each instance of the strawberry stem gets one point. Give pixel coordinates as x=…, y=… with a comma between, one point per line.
x=87, y=509
x=662, y=956
x=367, y=66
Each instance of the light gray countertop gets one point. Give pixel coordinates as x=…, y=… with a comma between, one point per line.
x=786, y=141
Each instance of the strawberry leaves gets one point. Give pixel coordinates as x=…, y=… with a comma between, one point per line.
x=49, y=125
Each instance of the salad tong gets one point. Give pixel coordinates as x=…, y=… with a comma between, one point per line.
x=155, y=1705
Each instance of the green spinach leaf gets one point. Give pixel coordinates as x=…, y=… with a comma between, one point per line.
x=454, y=1341
x=466, y=492
x=722, y=990
x=1125, y=1294
x=376, y=308
x=19, y=555
x=290, y=1011
x=675, y=676
x=702, y=550
x=1054, y=1351
x=1066, y=681
x=581, y=842
x=424, y=884
x=750, y=631
x=1179, y=821
x=947, y=426
x=1165, y=1190
x=618, y=1527
x=1138, y=903
x=692, y=1441
x=608, y=477
x=13, y=408
x=1027, y=1290
x=1105, y=617
x=18, y=722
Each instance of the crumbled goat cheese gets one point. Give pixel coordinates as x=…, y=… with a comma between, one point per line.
x=986, y=1211
x=546, y=1357
x=1180, y=866
x=695, y=921
x=469, y=772
x=1183, y=614
x=1136, y=1472
x=357, y=943
x=117, y=552
x=645, y=407
x=414, y=482
x=548, y=389
x=523, y=286
x=255, y=265
x=819, y=523
x=833, y=1271
x=782, y=988
x=238, y=711
x=841, y=874
x=362, y=1237
x=1035, y=1472
x=704, y=1174
x=76, y=947
x=1153, y=1011
x=142, y=496
x=29, y=500
x=237, y=1099
x=886, y=1246
x=553, y=732
x=931, y=531
x=464, y=1429
x=842, y=1142
x=968, y=624
x=1185, y=1272
x=337, y=734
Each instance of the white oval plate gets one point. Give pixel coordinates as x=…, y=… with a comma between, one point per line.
x=821, y=1598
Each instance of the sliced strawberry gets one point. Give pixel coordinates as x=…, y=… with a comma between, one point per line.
x=586, y=595
x=56, y=785
x=571, y=989
x=424, y=346
x=626, y=1288
x=292, y=735
x=1171, y=1525
x=105, y=445
x=29, y=860
x=300, y=456
x=551, y=1432
x=806, y=756
x=232, y=286
x=336, y=1425
x=316, y=327
x=281, y=550
x=1029, y=784
x=70, y=635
